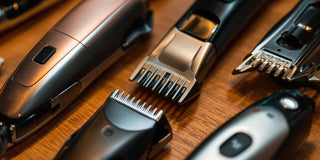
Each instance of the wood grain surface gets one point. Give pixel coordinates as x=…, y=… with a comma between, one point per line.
x=223, y=95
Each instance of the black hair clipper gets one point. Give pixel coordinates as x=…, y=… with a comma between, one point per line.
x=178, y=65
x=291, y=49
x=273, y=128
x=66, y=60
x=120, y=129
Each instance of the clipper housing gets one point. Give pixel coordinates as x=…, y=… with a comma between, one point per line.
x=290, y=49
x=120, y=129
x=68, y=59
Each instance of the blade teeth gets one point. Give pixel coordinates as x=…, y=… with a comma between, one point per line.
x=257, y=61
x=138, y=101
x=127, y=97
x=272, y=66
x=279, y=71
x=144, y=74
x=165, y=84
x=154, y=111
x=290, y=72
x=115, y=93
x=179, y=91
x=132, y=99
x=172, y=86
x=135, y=105
x=151, y=80
x=272, y=63
x=159, y=81
x=121, y=94
x=158, y=115
x=151, y=77
x=287, y=71
x=264, y=64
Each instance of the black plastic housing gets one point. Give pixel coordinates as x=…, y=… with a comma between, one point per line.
x=116, y=131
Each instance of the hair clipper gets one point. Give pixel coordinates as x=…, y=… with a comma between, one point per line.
x=120, y=129
x=290, y=50
x=66, y=60
x=178, y=65
x=272, y=128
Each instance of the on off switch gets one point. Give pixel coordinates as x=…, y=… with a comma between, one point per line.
x=235, y=145
x=45, y=54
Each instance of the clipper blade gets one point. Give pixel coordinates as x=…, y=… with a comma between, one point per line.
x=120, y=124
x=116, y=95
x=269, y=63
x=176, y=67
x=291, y=49
x=163, y=81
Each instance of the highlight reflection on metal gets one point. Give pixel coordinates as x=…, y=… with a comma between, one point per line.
x=1, y=62
x=199, y=26
x=291, y=49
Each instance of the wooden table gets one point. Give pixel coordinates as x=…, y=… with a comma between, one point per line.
x=223, y=95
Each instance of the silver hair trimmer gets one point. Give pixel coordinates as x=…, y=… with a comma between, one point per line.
x=273, y=128
x=66, y=60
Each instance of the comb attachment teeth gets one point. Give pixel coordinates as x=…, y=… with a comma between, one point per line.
x=269, y=63
x=163, y=81
x=176, y=67
x=291, y=48
x=137, y=106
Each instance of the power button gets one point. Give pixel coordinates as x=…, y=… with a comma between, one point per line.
x=45, y=54
x=235, y=145
x=289, y=103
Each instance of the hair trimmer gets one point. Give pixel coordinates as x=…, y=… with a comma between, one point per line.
x=273, y=128
x=290, y=50
x=123, y=128
x=177, y=67
x=66, y=60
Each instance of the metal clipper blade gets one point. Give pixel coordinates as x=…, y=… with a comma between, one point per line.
x=177, y=67
x=290, y=50
x=136, y=105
